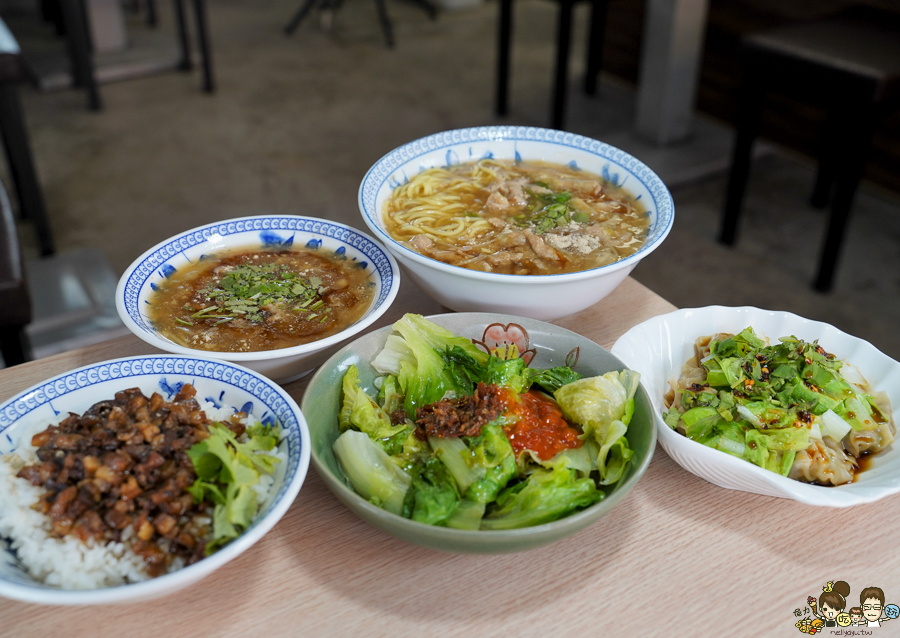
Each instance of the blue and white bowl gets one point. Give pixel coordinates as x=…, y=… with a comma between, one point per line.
x=223, y=384
x=138, y=283
x=544, y=297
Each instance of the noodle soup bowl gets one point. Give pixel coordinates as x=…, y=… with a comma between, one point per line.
x=544, y=297
x=140, y=282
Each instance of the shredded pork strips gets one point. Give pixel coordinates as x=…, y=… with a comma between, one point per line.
x=540, y=248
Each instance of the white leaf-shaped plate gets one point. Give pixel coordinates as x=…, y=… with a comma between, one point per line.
x=659, y=347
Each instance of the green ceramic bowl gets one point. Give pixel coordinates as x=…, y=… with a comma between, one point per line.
x=543, y=345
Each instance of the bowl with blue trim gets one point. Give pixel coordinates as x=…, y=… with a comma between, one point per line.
x=146, y=274
x=544, y=297
x=221, y=384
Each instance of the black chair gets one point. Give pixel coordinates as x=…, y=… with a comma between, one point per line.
x=851, y=63
x=15, y=304
x=386, y=27
x=560, y=81
x=78, y=38
x=15, y=141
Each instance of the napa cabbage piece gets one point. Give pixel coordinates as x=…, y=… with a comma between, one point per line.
x=371, y=472
x=603, y=407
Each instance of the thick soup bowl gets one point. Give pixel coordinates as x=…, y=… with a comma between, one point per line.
x=544, y=297
x=222, y=384
x=139, y=283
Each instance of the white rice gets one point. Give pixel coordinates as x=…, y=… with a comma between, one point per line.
x=67, y=562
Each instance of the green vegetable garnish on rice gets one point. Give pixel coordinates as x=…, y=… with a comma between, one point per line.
x=227, y=471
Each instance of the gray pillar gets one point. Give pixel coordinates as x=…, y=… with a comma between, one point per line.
x=670, y=65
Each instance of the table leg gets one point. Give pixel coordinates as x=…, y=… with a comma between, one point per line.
x=305, y=8
x=200, y=17
x=595, y=45
x=560, y=82
x=385, y=21
x=80, y=50
x=828, y=159
x=151, y=13
x=504, y=34
x=14, y=345
x=184, y=41
x=746, y=129
x=856, y=135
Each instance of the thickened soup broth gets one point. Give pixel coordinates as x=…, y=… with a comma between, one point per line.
x=519, y=218
x=247, y=301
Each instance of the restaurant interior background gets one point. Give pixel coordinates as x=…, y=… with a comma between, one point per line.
x=295, y=122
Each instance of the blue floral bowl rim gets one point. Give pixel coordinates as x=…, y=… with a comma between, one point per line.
x=294, y=477
x=409, y=152
x=151, y=336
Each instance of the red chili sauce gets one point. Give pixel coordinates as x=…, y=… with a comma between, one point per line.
x=540, y=427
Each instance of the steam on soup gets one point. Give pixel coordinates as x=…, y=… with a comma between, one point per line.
x=520, y=218
x=247, y=301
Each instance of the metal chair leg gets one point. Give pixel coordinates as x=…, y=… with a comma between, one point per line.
x=151, y=13
x=184, y=40
x=429, y=8
x=200, y=16
x=21, y=165
x=305, y=8
x=385, y=21
x=560, y=82
x=595, y=45
x=747, y=128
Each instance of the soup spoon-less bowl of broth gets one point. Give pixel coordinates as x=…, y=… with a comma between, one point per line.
x=527, y=221
x=276, y=294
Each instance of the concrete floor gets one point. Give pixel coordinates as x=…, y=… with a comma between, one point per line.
x=297, y=121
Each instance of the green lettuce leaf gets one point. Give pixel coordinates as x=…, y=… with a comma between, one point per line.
x=545, y=496
x=360, y=412
x=371, y=471
x=432, y=498
x=598, y=405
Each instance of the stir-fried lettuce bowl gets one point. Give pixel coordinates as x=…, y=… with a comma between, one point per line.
x=535, y=343
x=544, y=297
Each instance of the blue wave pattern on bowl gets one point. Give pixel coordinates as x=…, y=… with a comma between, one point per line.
x=155, y=263
x=169, y=369
x=384, y=170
